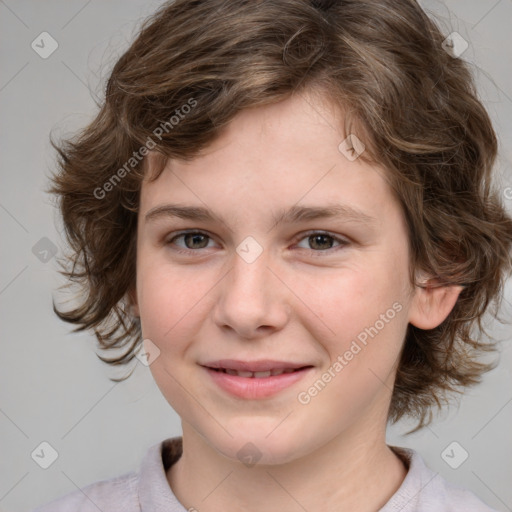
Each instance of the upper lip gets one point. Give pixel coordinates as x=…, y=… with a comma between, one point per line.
x=261, y=365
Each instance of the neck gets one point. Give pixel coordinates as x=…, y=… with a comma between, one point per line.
x=353, y=471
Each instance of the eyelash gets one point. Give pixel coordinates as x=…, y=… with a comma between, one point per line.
x=317, y=253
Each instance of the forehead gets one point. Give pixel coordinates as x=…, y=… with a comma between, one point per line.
x=272, y=157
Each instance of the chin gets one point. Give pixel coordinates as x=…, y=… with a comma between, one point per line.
x=259, y=442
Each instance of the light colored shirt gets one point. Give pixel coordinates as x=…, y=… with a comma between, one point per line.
x=148, y=489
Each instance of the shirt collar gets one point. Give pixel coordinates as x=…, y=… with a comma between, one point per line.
x=155, y=494
x=419, y=476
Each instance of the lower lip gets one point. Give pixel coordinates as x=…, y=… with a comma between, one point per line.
x=254, y=388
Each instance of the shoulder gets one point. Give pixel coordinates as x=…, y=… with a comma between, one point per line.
x=114, y=494
x=453, y=497
x=424, y=490
x=147, y=488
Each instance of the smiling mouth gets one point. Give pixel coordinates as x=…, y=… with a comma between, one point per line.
x=255, y=380
x=258, y=375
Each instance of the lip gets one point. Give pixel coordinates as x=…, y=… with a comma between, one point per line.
x=253, y=388
x=262, y=365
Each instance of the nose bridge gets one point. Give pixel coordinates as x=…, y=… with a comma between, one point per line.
x=249, y=267
x=249, y=278
x=250, y=296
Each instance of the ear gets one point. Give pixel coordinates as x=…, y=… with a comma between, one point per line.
x=132, y=302
x=432, y=303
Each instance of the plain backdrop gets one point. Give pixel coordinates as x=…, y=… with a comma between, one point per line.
x=53, y=388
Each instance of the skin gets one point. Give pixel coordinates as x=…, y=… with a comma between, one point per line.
x=298, y=301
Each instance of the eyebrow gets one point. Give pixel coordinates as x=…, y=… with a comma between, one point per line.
x=293, y=214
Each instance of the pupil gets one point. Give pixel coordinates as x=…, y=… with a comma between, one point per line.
x=194, y=237
x=320, y=237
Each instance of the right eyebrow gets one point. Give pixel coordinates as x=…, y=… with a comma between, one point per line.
x=183, y=212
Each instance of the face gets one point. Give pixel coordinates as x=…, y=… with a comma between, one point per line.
x=327, y=297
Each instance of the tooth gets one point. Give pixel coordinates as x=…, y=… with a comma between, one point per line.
x=268, y=373
x=259, y=375
x=244, y=374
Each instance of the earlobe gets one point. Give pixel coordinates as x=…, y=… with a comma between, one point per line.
x=432, y=303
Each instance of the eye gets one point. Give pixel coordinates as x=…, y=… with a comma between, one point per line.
x=192, y=239
x=321, y=242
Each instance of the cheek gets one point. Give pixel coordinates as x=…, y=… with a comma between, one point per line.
x=367, y=312
x=167, y=302
x=355, y=296
x=364, y=307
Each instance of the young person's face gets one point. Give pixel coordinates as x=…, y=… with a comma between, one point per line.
x=303, y=300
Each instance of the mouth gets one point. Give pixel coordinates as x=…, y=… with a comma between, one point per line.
x=256, y=379
x=258, y=375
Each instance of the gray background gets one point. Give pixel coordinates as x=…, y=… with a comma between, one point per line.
x=52, y=386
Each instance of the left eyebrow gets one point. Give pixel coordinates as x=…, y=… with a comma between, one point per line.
x=334, y=211
x=289, y=216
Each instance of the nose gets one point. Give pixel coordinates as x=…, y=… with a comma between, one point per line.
x=253, y=302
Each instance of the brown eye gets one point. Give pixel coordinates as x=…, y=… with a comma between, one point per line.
x=318, y=242
x=192, y=241
x=195, y=240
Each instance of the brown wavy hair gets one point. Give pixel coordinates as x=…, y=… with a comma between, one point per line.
x=417, y=111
